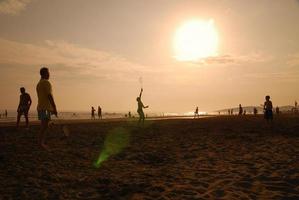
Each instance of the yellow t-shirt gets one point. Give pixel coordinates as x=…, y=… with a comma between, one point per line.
x=43, y=90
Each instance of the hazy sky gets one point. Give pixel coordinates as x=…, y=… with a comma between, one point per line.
x=97, y=50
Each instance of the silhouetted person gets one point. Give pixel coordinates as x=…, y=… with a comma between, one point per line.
x=244, y=113
x=129, y=114
x=254, y=111
x=232, y=111
x=99, y=112
x=268, y=109
x=296, y=108
x=93, y=113
x=46, y=105
x=140, y=108
x=228, y=111
x=24, y=106
x=277, y=110
x=240, y=109
x=196, y=113
x=6, y=113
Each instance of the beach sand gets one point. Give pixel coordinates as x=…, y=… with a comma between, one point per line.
x=225, y=157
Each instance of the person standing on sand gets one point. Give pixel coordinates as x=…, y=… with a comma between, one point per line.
x=268, y=115
x=277, y=110
x=240, y=109
x=23, y=108
x=99, y=112
x=196, y=113
x=46, y=104
x=6, y=113
x=93, y=113
x=140, y=108
x=254, y=111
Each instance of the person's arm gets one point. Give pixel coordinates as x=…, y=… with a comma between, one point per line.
x=140, y=92
x=144, y=106
x=52, y=102
x=30, y=101
x=19, y=104
x=271, y=105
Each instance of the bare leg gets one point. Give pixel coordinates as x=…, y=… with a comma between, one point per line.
x=27, y=121
x=18, y=119
x=42, y=135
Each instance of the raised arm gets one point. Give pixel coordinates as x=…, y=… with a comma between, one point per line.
x=140, y=92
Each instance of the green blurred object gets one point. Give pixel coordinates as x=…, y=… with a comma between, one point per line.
x=115, y=141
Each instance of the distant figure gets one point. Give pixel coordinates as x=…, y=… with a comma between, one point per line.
x=296, y=104
x=129, y=114
x=277, y=110
x=228, y=111
x=93, y=113
x=296, y=108
x=232, y=111
x=46, y=105
x=140, y=108
x=196, y=113
x=6, y=113
x=24, y=106
x=254, y=111
x=99, y=112
x=268, y=109
x=240, y=109
x=244, y=113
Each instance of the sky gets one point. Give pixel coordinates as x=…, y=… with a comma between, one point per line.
x=101, y=52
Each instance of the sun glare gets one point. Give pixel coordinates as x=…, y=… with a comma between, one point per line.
x=195, y=39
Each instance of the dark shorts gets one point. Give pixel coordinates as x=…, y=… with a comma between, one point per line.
x=23, y=110
x=44, y=115
x=268, y=114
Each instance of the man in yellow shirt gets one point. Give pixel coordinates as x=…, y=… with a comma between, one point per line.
x=46, y=105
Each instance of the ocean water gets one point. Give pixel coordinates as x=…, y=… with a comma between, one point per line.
x=12, y=115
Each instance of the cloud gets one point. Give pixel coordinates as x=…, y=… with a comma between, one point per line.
x=293, y=60
x=68, y=58
x=13, y=7
x=234, y=59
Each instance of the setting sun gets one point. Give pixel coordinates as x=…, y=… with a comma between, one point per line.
x=195, y=39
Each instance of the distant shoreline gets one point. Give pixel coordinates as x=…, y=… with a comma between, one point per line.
x=58, y=121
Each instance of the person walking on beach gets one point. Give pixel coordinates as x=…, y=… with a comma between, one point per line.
x=196, y=113
x=24, y=106
x=140, y=108
x=46, y=105
x=268, y=114
x=6, y=113
x=296, y=108
x=254, y=111
x=277, y=110
x=99, y=112
x=240, y=109
x=93, y=112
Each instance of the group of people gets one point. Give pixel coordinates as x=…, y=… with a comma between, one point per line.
x=46, y=105
x=93, y=110
x=267, y=107
x=5, y=114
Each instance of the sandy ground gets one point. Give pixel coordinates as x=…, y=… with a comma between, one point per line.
x=209, y=158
